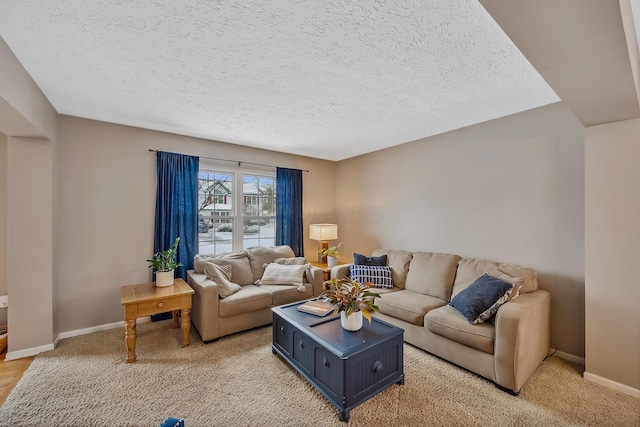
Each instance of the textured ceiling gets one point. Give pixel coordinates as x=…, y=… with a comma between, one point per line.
x=327, y=79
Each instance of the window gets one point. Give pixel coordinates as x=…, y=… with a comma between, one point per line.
x=224, y=225
x=258, y=211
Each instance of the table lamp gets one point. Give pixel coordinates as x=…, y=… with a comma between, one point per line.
x=322, y=233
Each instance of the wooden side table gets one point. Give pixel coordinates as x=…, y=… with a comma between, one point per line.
x=326, y=271
x=146, y=299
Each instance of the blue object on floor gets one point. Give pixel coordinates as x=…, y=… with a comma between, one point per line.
x=172, y=422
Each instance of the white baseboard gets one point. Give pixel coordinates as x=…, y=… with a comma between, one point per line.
x=105, y=327
x=568, y=357
x=85, y=331
x=634, y=392
x=11, y=355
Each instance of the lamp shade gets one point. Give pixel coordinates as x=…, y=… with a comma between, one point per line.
x=323, y=232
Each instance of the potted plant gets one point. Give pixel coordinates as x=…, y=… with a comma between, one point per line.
x=352, y=300
x=332, y=253
x=164, y=263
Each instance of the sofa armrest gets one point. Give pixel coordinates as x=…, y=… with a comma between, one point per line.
x=522, y=338
x=340, y=271
x=317, y=280
x=204, y=305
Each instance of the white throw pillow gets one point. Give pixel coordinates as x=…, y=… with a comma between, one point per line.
x=221, y=275
x=300, y=260
x=295, y=261
x=278, y=274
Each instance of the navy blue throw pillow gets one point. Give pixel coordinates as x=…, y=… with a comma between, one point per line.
x=359, y=259
x=172, y=422
x=480, y=300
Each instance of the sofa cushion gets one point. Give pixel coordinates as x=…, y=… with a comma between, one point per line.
x=199, y=261
x=518, y=283
x=449, y=323
x=381, y=291
x=248, y=298
x=241, y=269
x=399, y=261
x=261, y=255
x=528, y=275
x=480, y=300
x=285, y=294
x=407, y=305
x=469, y=269
x=432, y=274
x=221, y=275
x=298, y=260
x=359, y=259
x=379, y=277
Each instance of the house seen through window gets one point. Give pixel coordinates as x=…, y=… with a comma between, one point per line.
x=236, y=210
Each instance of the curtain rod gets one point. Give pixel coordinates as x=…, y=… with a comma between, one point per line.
x=239, y=162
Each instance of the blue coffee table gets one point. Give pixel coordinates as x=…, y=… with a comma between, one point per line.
x=346, y=367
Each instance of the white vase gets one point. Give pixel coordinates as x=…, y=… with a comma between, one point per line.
x=164, y=278
x=332, y=261
x=353, y=322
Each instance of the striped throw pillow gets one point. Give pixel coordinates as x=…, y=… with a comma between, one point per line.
x=380, y=277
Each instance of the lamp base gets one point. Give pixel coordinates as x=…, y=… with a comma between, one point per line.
x=322, y=259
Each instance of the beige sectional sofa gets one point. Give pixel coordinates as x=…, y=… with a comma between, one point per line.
x=505, y=349
x=250, y=307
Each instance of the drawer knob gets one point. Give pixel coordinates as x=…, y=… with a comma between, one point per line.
x=377, y=367
x=301, y=344
x=282, y=330
x=325, y=362
x=160, y=305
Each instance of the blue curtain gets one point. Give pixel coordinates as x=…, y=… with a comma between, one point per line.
x=177, y=207
x=289, y=209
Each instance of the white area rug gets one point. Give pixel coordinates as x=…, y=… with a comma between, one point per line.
x=237, y=381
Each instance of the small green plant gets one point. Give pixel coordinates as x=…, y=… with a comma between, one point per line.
x=350, y=296
x=166, y=260
x=333, y=251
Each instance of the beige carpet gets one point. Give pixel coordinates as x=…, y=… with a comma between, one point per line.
x=237, y=381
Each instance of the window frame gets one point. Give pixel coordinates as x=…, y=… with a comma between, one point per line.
x=237, y=198
x=260, y=174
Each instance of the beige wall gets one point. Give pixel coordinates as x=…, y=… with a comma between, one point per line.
x=3, y=223
x=29, y=178
x=511, y=190
x=29, y=243
x=107, y=202
x=27, y=103
x=612, y=176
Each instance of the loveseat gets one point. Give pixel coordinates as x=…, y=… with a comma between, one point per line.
x=505, y=349
x=221, y=308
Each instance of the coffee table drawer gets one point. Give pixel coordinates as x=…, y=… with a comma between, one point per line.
x=303, y=347
x=328, y=372
x=368, y=372
x=281, y=334
x=159, y=306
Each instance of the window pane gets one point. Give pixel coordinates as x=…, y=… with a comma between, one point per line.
x=214, y=192
x=215, y=208
x=258, y=232
x=258, y=196
x=268, y=229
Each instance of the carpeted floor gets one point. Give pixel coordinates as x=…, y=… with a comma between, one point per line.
x=237, y=381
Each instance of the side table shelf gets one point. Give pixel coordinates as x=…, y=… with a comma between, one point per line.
x=326, y=271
